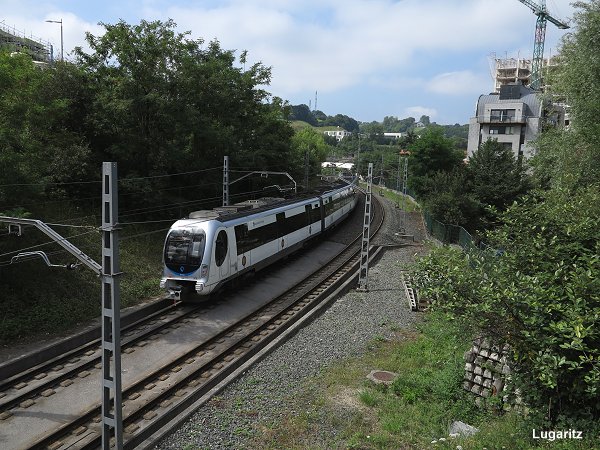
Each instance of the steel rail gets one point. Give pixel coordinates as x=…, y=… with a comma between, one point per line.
x=156, y=399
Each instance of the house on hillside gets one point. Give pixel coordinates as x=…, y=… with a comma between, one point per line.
x=513, y=117
x=338, y=133
x=393, y=135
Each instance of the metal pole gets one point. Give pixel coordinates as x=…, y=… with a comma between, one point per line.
x=363, y=277
x=112, y=412
x=306, y=169
x=398, y=182
x=226, y=181
x=404, y=199
x=62, y=55
x=61, y=37
x=358, y=158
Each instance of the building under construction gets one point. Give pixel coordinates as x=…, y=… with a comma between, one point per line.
x=16, y=41
x=515, y=70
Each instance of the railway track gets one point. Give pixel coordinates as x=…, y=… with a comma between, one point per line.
x=161, y=393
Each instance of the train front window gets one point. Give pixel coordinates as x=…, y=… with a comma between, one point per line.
x=184, y=248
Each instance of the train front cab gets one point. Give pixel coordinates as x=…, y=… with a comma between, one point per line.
x=184, y=251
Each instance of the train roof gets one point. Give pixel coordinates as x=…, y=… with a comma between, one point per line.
x=250, y=207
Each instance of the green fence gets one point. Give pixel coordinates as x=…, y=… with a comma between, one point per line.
x=450, y=234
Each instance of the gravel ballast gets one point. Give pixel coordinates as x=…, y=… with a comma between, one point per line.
x=264, y=394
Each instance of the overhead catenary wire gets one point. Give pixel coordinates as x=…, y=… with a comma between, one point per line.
x=122, y=180
x=45, y=243
x=96, y=229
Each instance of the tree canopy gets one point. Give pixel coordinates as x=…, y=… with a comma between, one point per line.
x=571, y=157
x=146, y=96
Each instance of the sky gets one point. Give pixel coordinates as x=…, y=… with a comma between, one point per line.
x=363, y=58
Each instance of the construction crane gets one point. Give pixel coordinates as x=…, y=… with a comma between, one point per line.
x=539, y=9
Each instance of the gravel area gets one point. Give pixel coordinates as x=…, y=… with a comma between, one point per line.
x=265, y=393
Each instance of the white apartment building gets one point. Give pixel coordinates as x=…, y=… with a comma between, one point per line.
x=513, y=117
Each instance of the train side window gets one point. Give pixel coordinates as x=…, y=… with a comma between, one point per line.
x=221, y=248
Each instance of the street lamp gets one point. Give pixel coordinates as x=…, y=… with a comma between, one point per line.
x=61, y=37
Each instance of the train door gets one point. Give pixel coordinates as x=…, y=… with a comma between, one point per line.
x=281, y=231
x=222, y=254
x=322, y=209
x=244, y=247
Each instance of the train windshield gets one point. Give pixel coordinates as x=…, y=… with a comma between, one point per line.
x=184, y=250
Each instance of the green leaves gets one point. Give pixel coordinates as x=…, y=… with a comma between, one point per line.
x=542, y=295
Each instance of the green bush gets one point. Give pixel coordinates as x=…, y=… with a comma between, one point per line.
x=539, y=291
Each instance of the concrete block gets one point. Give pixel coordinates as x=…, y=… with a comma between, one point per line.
x=462, y=429
x=469, y=356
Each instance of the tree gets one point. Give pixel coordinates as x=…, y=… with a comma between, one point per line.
x=431, y=153
x=41, y=132
x=540, y=296
x=303, y=113
x=571, y=157
x=164, y=103
x=312, y=142
x=449, y=199
x=496, y=177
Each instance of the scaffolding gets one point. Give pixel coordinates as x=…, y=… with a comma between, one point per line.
x=511, y=70
x=17, y=41
x=516, y=70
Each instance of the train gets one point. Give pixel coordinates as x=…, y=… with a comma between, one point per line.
x=211, y=248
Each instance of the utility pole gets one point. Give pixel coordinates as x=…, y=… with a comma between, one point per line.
x=109, y=271
x=111, y=311
x=398, y=179
x=306, y=169
x=358, y=158
x=363, y=276
x=381, y=175
x=226, y=181
x=404, y=199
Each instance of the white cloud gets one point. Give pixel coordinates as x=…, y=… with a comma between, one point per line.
x=409, y=48
x=418, y=111
x=459, y=83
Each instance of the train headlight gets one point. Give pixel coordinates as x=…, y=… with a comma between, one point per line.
x=199, y=287
x=204, y=271
x=163, y=283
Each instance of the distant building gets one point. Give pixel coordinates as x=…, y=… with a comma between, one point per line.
x=513, y=117
x=16, y=41
x=393, y=135
x=338, y=133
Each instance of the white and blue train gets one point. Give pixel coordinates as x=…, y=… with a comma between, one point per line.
x=211, y=248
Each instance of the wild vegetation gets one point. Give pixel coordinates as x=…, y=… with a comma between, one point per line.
x=167, y=109
x=538, y=290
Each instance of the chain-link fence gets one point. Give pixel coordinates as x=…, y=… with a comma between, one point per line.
x=451, y=234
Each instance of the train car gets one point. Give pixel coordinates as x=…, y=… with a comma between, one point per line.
x=210, y=248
